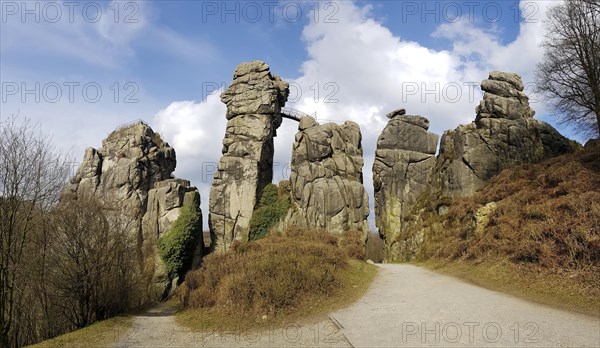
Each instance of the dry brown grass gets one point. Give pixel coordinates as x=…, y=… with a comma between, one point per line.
x=546, y=227
x=103, y=333
x=274, y=276
x=353, y=244
x=284, y=278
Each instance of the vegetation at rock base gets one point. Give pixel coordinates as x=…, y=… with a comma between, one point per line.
x=273, y=206
x=540, y=235
x=353, y=244
x=278, y=276
x=176, y=247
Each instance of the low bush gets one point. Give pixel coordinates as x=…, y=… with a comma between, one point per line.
x=375, y=247
x=274, y=274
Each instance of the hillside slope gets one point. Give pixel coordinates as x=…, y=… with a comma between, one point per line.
x=534, y=229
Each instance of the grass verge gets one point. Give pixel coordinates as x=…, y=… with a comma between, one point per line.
x=551, y=289
x=100, y=334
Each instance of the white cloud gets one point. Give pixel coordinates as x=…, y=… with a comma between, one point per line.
x=189, y=125
x=195, y=130
x=377, y=71
x=100, y=35
x=520, y=55
x=364, y=71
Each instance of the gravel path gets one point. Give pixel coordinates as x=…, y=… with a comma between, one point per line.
x=157, y=328
x=411, y=307
x=406, y=306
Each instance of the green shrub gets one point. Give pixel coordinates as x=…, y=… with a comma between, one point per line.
x=269, y=195
x=273, y=207
x=176, y=247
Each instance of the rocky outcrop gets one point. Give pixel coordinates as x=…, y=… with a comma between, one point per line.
x=164, y=205
x=326, y=178
x=504, y=134
x=405, y=172
x=130, y=161
x=133, y=170
x=254, y=100
x=402, y=170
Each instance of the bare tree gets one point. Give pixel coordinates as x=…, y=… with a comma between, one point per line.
x=569, y=75
x=32, y=175
x=93, y=267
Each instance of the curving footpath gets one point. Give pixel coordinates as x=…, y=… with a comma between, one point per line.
x=406, y=306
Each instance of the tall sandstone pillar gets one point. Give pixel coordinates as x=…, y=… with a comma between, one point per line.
x=504, y=134
x=402, y=170
x=254, y=100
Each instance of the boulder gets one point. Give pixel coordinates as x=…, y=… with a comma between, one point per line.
x=398, y=112
x=255, y=90
x=512, y=78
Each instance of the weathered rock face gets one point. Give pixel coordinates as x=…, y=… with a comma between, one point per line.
x=164, y=205
x=504, y=134
x=133, y=170
x=127, y=165
x=402, y=170
x=254, y=100
x=326, y=178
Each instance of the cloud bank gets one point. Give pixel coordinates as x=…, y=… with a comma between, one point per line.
x=357, y=69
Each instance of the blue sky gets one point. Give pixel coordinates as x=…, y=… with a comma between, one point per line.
x=347, y=60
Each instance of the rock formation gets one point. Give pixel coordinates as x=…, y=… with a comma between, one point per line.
x=402, y=170
x=133, y=170
x=163, y=207
x=504, y=134
x=326, y=178
x=254, y=100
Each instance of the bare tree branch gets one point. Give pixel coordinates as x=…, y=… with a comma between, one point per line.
x=32, y=175
x=569, y=75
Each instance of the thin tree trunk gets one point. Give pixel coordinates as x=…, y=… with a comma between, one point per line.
x=598, y=121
